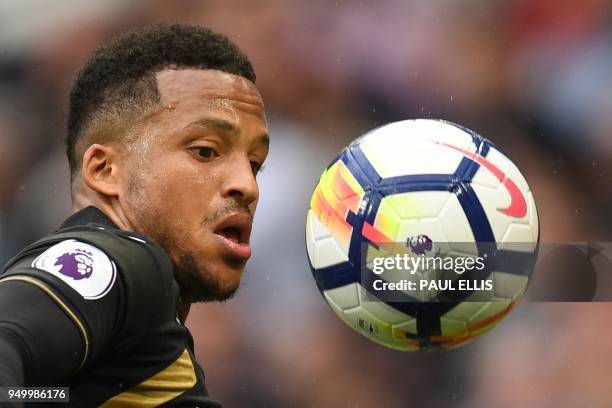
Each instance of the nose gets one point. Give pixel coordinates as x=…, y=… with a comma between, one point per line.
x=240, y=182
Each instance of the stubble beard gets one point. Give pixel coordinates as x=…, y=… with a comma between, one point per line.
x=198, y=285
x=196, y=282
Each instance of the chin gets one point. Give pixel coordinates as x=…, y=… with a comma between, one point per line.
x=203, y=283
x=226, y=292
x=228, y=281
x=218, y=289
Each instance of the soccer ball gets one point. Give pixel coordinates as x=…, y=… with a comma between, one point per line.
x=429, y=187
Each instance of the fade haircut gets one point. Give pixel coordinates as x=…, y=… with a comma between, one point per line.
x=118, y=80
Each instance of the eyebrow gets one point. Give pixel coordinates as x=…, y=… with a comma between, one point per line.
x=225, y=126
x=218, y=124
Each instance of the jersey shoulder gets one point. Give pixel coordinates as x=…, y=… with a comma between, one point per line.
x=118, y=283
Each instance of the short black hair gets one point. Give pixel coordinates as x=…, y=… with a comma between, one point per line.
x=121, y=74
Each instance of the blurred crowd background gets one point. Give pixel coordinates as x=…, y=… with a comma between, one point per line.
x=531, y=75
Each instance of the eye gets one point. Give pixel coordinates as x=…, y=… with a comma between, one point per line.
x=205, y=152
x=256, y=167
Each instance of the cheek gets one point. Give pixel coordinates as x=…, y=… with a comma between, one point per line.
x=176, y=193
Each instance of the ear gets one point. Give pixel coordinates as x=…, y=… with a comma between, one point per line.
x=99, y=171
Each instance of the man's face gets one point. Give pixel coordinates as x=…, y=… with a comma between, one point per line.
x=191, y=180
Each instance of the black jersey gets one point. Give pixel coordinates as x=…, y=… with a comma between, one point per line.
x=106, y=302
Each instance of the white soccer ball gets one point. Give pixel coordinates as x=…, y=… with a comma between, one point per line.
x=427, y=186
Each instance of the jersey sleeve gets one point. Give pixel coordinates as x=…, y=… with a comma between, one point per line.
x=113, y=287
x=78, y=281
x=39, y=343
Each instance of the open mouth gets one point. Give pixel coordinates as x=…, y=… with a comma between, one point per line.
x=231, y=233
x=234, y=233
x=236, y=228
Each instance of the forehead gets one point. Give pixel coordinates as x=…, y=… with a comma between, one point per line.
x=197, y=89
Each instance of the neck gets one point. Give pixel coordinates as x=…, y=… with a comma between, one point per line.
x=108, y=205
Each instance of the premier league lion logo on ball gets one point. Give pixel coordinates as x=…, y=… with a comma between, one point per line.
x=420, y=244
